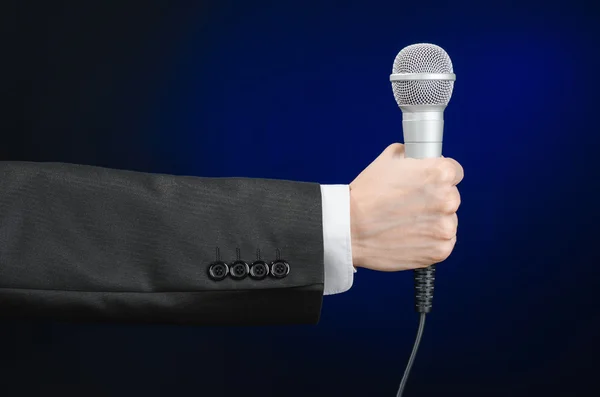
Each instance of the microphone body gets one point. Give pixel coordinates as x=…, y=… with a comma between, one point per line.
x=423, y=127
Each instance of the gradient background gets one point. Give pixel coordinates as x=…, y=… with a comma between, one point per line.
x=300, y=90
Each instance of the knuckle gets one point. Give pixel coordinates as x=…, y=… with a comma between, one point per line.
x=446, y=206
x=456, y=199
x=460, y=172
x=446, y=228
x=447, y=201
x=445, y=170
x=442, y=251
x=452, y=201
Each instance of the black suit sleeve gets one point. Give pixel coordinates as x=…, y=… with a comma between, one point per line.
x=82, y=243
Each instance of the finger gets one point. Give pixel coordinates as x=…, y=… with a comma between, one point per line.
x=455, y=218
x=454, y=200
x=458, y=172
x=444, y=251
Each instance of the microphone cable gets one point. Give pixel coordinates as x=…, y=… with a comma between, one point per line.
x=424, y=280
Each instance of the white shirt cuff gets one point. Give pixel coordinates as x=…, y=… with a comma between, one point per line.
x=337, y=243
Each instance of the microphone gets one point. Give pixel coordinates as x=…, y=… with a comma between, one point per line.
x=422, y=80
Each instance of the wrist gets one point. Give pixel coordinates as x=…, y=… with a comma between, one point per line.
x=357, y=258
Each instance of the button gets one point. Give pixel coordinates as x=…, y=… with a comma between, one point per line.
x=279, y=268
x=259, y=270
x=218, y=270
x=239, y=270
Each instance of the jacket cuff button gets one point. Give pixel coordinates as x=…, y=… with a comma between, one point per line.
x=218, y=270
x=280, y=268
x=259, y=270
x=239, y=270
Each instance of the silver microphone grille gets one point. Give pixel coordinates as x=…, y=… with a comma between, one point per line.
x=422, y=58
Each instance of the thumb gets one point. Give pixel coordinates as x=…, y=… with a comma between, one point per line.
x=395, y=150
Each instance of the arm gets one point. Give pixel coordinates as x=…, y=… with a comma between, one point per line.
x=79, y=242
x=90, y=243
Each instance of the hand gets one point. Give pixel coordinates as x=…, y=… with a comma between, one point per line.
x=403, y=211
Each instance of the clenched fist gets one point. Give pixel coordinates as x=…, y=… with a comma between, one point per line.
x=403, y=211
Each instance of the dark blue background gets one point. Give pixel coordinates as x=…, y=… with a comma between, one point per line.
x=300, y=90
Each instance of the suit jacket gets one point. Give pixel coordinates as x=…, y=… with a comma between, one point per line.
x=83, y=243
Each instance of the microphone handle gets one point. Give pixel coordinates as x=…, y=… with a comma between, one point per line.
x=423, y=129
x=423, y=136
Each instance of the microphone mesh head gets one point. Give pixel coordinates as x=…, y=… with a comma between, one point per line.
x=422, y=58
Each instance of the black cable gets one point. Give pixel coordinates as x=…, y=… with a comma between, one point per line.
x=424, y=286
x=413, y=355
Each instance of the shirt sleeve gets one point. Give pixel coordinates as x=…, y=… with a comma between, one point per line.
x=339, y=269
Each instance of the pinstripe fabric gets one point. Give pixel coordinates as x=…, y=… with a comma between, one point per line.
x=83, y=243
